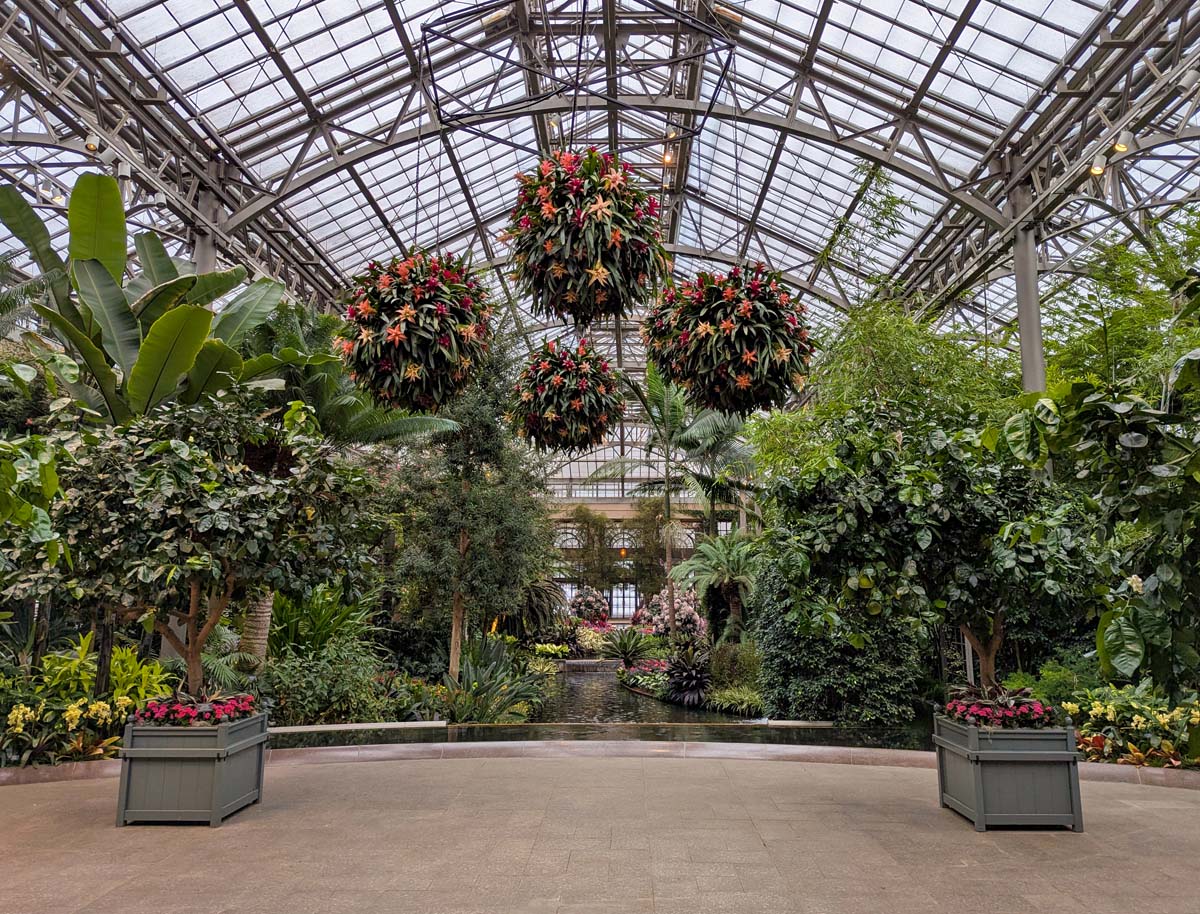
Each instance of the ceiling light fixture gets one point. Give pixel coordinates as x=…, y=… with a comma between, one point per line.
x=92, y=143
x=1189, y=79
x=1124, y=141
x=1098, y=164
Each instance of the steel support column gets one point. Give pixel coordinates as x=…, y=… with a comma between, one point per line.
x=1029, y=308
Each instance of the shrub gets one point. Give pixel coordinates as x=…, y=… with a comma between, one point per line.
x=551, y=650
x=304, y=626
x=1137, y=725
x=688, y=621
x=342, y=682
x=627, y=645
x=71, y=674
x=542, y=666
x=743, y=700
x=647, y=675
x=688, y=677
x=815, y=676
x=589, y=604
x=489, y=688
x=589, y=640
x=736, y=664
x=1059, y=680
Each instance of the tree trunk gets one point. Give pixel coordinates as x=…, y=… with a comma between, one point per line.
x=735, y=616
x=986, y=651
x=668, y=544
x=41, y=630
x=195, y=669
x=104, y=647
x=256, y=627
x=459, y=609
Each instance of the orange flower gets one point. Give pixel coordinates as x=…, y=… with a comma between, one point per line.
x=614, y=238
x=782, y=354
x=557, y=381
x=395, y=335
x=547, y=245
x=577, y=404
x=743, y=381
x=601, y=208
x=749, y=357
x=727, y=326
x=729, y=293
x=412, y=372
x=384, y=281
x=744, y=309
x=366, y=334
x=548, y=209
x=597, y=274
x=557, y=270
x=704, y=328
x=407, y=313
x=365, y=309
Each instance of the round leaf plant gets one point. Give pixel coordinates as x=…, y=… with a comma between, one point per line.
x=737, y=343
x=586, y=239
x=568, y=398
x=416, y=329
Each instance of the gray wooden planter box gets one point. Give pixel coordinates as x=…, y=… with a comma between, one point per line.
x=1008, y=777
x=191, y=774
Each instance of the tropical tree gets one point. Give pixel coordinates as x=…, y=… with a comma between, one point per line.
x=684, y=451
x=143, y=341
x=725, y=564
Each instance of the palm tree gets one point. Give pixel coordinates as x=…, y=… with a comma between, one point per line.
x=724, y=564
x=346, y=416
x=16, y=294
x=685, y=450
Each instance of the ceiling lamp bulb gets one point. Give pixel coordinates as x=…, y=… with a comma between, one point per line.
x=1124, y=141
x=92, y=143
x=667, y=157
x=671, y=132
x=1098, y=164
x=58, y=199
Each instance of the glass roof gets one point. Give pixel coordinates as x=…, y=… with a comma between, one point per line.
x=309, y=136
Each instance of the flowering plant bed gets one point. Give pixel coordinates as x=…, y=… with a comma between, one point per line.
x=183, y=711
x=567, y=398
x=200, y=770
x=736, y=342
x=648, y=677
x=1001, y=708
x=1008, y=775
x=586, y=239
x=416, y=329
x=1138, y=725
x=688, y=621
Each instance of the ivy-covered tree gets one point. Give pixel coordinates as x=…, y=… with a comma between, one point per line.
x=170, y=515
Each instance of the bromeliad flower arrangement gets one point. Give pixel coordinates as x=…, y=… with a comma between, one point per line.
x=568, y=398
x=586, y=239
x=999, y=708
x=416, y=330
x=737, y=343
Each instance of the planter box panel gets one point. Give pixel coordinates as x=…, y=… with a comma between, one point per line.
x=1008, y=777
x=191, y=774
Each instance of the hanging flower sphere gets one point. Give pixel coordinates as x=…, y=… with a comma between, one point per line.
x=737, y=343
x=586, y=240
x=568, y=398
x=416, y=329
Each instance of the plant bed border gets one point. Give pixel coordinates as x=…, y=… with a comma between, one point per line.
x=1003, y=777
x=191, y=774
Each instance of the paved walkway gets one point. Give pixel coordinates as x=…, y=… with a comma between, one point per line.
x=625, y=836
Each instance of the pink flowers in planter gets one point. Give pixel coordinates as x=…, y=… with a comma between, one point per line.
x=183, y=711
x=1005, y=709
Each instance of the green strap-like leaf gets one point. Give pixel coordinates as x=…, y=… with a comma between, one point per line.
x=93, y=358
x=20, y=219
x=272, y=361
x=168, y=353
x=215, y=367
x=161, y=299
x=119, y=329
x=211, y=286
x=156, y=263
x=96, y=217
x=251, y=307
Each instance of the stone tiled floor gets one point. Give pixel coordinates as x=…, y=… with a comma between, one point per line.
x=596, y=835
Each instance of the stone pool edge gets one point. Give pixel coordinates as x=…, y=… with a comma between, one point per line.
x=828, y=755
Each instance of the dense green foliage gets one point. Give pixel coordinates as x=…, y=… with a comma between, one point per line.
x=808, y=675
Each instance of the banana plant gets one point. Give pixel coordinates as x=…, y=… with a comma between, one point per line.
x=153, y=339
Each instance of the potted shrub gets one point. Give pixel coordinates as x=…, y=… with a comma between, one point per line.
x=186, y=760
x=1001, y=761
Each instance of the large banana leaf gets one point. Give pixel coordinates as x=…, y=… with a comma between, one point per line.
x=214, y=365
x=251, y=307
x=271, y=361
x=156, y=263
x=96, y=217
x=168, y=353
x=158, y=301
x=93, y=358
x=119, y=329
x=211, y=286
x=20, y=219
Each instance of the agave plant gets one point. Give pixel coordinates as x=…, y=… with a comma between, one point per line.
x=688, y=676
x=627, y=645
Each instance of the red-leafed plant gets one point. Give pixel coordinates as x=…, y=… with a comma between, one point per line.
x=999, y=708
x=416, y=329
x=185, y=711
x=586, y=239
x=568, y=398
x=737, y=343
